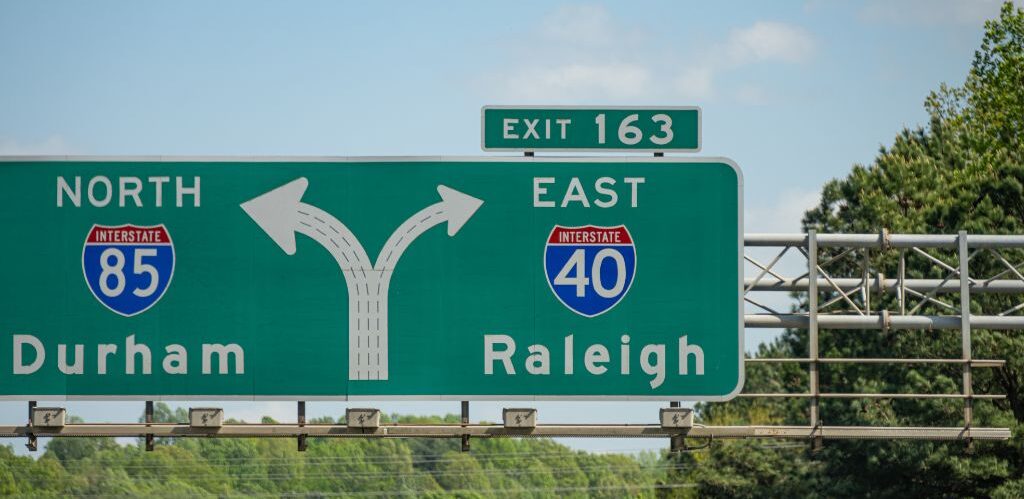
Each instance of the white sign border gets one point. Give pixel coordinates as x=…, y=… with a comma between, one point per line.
x=423, y=159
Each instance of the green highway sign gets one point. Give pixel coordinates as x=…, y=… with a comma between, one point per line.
x=363, y=278
x=599, y=129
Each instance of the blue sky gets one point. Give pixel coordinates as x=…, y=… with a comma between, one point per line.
x=795, y=92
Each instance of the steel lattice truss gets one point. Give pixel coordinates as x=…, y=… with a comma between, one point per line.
x=836, y=298
x=870, y=300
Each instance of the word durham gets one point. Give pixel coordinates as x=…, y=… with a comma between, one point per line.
x=29, y=356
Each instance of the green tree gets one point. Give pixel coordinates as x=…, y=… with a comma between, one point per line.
x=68, y=450
x=963, y=171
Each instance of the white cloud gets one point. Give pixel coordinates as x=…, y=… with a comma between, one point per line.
x=581, y=54
x=695, y=83
x=51, y=146
x=760, y=42
x=751, y=95
x=782, y=216
x=930, y=12
x=580, y=25
x=573, y=82
x=766, y=41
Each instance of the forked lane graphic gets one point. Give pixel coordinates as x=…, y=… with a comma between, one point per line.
x=281, y=213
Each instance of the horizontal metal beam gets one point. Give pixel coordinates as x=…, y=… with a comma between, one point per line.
x=876, y=321
x=497, y=431
x=864, y=432
x=848, y=284
x=836, y=360
x=892, y=241
x=874, y=396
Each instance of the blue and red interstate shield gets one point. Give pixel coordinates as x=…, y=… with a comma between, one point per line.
x=128, y=267
x=590, y=268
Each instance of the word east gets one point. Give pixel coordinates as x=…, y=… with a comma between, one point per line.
x=500, y=352
x=29, y=356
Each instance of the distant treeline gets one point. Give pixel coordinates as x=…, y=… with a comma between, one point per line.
x=196, y=467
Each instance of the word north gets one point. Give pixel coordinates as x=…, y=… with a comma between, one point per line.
x=101, y=191
x=500, y=351
x=29, y=356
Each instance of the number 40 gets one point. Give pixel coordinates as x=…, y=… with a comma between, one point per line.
x=630, y=134
x=576, y=264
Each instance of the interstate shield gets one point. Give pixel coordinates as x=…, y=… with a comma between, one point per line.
x=590, y=269
x=128, y=267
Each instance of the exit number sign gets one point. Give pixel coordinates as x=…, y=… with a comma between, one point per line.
x=572, y=128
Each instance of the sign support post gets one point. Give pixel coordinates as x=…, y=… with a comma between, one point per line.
x=812, y=333
x=33, y=443
x=302, y=424
x=965, y=331
x=149, y=421
x=465, y=422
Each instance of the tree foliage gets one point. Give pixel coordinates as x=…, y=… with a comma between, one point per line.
x=200, y=467
x=963, y=171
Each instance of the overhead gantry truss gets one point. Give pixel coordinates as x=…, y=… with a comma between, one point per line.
x=858, y=302
x=863, y=302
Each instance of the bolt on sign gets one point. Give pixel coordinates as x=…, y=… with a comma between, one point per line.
x=573, y=128
x=417, y=278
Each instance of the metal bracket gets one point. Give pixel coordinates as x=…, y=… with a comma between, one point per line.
x=149, y=421
x=33, y=442
x=676, y=443
x=302, y=424
x=364, y=420
x=206, y=418
x=521, y=418
x=465, y=415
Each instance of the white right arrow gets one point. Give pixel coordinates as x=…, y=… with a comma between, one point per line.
x=455, y=208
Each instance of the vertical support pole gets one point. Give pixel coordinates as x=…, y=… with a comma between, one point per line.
x=676, y=442
x=812, y=332
x=33, y=442
x=965, y=331
x=866, y=282
x=149, y=421
x=903, y=282
x=881, y=290
x=302, y=423
x=465, y=422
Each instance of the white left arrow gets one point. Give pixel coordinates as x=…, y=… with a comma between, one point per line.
x=281, y=213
